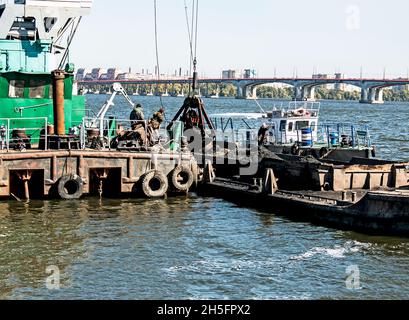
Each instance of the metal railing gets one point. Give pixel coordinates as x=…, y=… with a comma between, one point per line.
x=8, y=126
x=333, y=133
x=330, y=134
x=110, y=128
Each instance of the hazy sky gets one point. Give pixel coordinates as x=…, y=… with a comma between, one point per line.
x=328, y=35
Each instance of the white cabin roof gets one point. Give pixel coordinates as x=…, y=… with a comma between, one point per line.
x=50, y=16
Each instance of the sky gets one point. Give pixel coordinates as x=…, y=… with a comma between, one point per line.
x=274, y=37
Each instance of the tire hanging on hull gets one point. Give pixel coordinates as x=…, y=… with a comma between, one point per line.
x=154, y=184
x=181, y=179
x=70, y=187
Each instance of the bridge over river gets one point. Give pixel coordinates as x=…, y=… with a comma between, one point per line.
x=304, y=88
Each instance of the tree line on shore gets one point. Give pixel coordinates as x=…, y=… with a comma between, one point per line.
x=329, y=94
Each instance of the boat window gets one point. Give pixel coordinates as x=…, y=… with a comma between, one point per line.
x=49, y=23
x=37, y=89
x=290, y=126
x=283, y=125
x=313, y=128
x=301, y=125
x=50, y=91
x=16, y=89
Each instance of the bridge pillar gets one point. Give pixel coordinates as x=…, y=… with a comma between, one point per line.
x=241, y=93
x=251, y=93
x=378, y=96
x=364, y=95
x=298, y=93
x=308, y=93
x=372, y=95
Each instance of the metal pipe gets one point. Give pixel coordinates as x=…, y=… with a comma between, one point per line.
x=58, y=101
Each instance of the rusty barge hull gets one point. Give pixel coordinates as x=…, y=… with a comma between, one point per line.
x=375, y=213
x=120, y=171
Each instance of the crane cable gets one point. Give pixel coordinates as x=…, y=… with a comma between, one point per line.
x=192, y=29
x=197, y=22
x=189, y=32
x=157, y=49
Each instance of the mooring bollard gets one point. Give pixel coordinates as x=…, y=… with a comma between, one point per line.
x=270, y=182
x=25, y=178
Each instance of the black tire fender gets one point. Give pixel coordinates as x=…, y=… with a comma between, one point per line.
x=181, y=178
x=70, y=187
x=154, y=184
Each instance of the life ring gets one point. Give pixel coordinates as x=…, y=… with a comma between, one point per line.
x=154, y=184
x=323, y=152
x=301, y=112
x=181, y=178
x=70, y=187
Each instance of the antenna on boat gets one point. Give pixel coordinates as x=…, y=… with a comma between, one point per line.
x=157, y=48
x=74, y=23
x=193, y=37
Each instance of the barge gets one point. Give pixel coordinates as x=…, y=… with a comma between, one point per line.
x=371, y=212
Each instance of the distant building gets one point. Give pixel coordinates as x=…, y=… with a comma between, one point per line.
x=95, y=74
x=81, y=73
x=321, y=76
x=127, y=76
x=231, y=74
x=249, y=73
x=113, y=73
x=237, y=74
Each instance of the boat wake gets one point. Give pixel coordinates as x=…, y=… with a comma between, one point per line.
x=338, y=252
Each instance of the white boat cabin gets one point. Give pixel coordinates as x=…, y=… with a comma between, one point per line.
x=297, y=124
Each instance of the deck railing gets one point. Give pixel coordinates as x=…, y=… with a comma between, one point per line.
x=35, y=133
x=110, y=127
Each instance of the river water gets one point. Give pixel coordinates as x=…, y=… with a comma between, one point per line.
x=201, y=248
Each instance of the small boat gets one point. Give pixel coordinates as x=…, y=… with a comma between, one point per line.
x=296, y=130
x=181, y=94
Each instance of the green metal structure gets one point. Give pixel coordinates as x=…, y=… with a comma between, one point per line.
x=34, y=40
